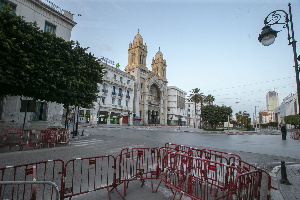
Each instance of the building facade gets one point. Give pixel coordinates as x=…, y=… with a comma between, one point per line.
x=193, y=113
x=176, y=106
x=49, y=18
x=114, y=104
x=289, y=106
x=272, y=100
x=150, y=91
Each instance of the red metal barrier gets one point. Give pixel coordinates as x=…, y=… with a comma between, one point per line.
x=218, y=156
x=34, y=138
x=136, y=164
x=200, y=174
x=84, y=175
x=51, y=170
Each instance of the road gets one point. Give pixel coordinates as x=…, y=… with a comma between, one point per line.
x=263, y=150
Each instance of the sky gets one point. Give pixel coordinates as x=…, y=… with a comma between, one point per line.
x=207, y=44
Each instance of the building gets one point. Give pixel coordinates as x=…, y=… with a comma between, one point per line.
x=289, y=106
x=272, y=100
x=150, y=91
x=193, y=113
x=114, y=104
x=176, y=106
x=49, y=18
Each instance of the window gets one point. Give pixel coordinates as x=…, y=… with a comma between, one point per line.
x=115, y=77
x=113, y=101
x=141, y=85
x=11, y=5
x=81, y=113
x=105, y=73
x=40, y=113
x=119, y=102
x=126, y=103
x=114, y=90
x=103, y=100
x=140, y=113
x=50, y=27
x=127, y=93
x=128, y=81
x=121, y=79
x=120, y=91
x=141, y=97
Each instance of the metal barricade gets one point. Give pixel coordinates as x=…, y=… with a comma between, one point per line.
x=84, y=175
x=33, y=184
x=51, y=170
x=34, y=138
x=136, y=164
x=200, y=174
x=218, y=156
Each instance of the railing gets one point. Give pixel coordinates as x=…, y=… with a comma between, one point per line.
x=200, y=174
x=52, y=5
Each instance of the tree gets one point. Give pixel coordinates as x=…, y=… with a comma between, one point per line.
x=42, y=66
x=213, y=114
x=243, y=119
x=209, y=99
x=292, y=119
x=196, y=97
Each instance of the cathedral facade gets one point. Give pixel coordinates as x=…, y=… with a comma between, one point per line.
x=150, y=90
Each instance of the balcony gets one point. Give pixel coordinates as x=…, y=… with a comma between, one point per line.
x=127, y=97
x=113, y=93
x=120, y=95
x=104, y=90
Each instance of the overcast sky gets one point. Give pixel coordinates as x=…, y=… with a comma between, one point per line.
x=211, y=45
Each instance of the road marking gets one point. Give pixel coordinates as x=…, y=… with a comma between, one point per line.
x=86, y=142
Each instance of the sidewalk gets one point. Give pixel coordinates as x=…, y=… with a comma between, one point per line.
x=286, y=192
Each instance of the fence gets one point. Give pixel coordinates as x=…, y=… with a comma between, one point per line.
x=34, y=138
x=197, y=173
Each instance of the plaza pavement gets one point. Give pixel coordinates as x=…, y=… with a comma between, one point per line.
x=283, y=192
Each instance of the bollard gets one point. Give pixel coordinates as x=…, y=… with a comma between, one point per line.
x=82, y=132
x=284, y=179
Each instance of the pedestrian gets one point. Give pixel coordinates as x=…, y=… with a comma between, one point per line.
x=283, y=132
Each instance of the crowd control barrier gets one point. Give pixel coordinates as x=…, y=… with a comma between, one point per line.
x=34, y=138
x=199, y=174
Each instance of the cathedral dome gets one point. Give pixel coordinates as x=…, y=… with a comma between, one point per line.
x=159, y=54
x=138, y=38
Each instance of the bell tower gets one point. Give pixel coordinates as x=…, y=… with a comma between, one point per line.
x=137, y=53
x=159, y=66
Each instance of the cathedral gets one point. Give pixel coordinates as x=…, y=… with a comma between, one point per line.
x=150, y=91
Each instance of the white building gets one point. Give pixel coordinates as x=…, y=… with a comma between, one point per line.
x=192, y=118
x=289, y=106
x=176, y=106
x=49, y=18
x=114, y=104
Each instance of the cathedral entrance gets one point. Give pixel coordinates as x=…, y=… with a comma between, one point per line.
x=154, y=105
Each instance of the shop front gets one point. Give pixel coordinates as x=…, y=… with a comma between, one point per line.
x=102, y=117
x=115, y=118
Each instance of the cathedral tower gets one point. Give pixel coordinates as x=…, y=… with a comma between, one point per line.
x=159, y=66
x=137, y=53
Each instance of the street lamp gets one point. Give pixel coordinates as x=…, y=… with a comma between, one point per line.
x=268, y=35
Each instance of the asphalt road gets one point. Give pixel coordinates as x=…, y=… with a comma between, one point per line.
x=263, y=150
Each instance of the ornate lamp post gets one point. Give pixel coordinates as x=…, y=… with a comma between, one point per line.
x=268, y=35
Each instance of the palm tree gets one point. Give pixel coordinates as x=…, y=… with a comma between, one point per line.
x=209, y=99
x=196, y=97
